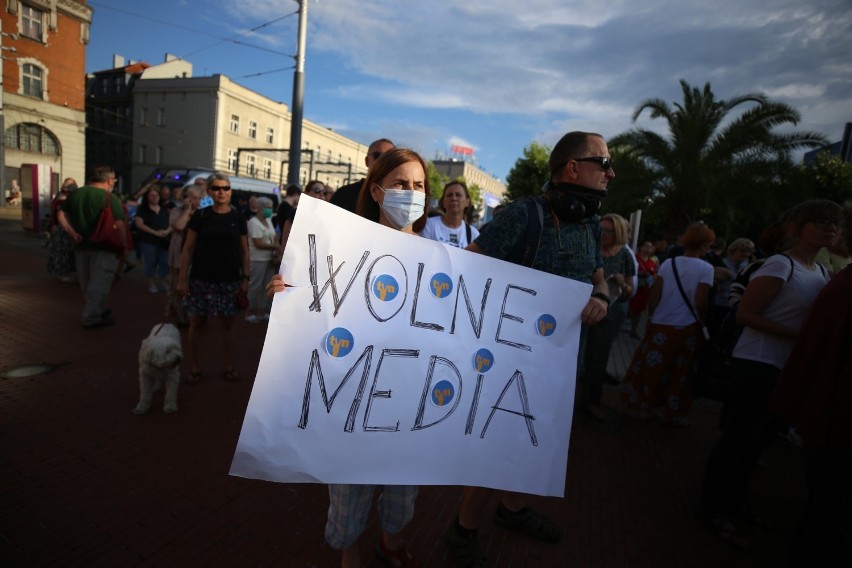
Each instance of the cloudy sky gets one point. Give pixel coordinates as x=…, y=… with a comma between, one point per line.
x=496, y=75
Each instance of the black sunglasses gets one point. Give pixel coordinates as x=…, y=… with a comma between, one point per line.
x=220, y=188
x=376, y=155
x=605, y=162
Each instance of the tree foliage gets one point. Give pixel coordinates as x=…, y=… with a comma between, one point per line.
x=529, y=173
x=725, y=171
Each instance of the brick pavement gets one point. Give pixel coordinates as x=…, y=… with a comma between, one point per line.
x=83, y=482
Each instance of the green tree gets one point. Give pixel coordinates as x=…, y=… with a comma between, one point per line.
x=827, y=177
x=712, y=166
x=436, y=181
x=529, y=172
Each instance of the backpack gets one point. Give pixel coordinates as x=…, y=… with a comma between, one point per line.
x=526, y=248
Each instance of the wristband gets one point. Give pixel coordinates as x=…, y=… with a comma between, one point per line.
x=602, y=296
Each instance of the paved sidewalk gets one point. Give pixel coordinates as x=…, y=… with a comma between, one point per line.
x=83, y=482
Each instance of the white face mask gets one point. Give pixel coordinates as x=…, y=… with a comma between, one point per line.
x=403, y=207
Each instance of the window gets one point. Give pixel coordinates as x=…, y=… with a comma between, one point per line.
x=32, y=22
x=270, y=136
x=143, y=116
x=31, y=137
x=32, y=81
x=252, y=130
x=250, y=165
x=143, y=153
x=232, y=160
x=104, y=86
x=161, y=117
x=117, y=85
x=267, y=169
x=235, y=124
x=158, y=155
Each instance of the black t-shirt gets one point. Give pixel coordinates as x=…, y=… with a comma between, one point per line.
x=347, y=196
x=217, y=256
x=157, y=221
x=286, y=212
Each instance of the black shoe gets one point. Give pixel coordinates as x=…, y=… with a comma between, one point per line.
x=530, y=522
x=106, y=313
x=465, y=549
x=103, y=322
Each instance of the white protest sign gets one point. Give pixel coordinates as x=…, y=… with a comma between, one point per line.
x=397, y=360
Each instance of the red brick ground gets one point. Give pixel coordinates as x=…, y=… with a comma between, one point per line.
x=83, y=482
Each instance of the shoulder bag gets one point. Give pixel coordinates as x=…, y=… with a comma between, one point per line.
x=106, y=234
x=704, y=329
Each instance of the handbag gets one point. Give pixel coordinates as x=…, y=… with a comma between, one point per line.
x=106, y=234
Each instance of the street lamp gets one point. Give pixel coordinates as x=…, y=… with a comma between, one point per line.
x=298, y=98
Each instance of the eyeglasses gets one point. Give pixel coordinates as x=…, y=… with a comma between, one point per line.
x=316, y=190
x=826, y=223
x=220, y=188
x=605, y=162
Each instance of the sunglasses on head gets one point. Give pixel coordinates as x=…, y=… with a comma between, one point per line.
x=605, y=162
x=220, y=188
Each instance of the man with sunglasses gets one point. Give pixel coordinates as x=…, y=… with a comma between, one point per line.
x=347, y=195
x=568, y=245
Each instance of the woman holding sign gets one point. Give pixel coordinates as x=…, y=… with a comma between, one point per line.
x=394, y=194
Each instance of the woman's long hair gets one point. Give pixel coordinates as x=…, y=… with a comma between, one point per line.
x=384, y=165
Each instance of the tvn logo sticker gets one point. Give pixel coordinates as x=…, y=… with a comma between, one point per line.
x=483, y=360
x=440, y=285
x=385, y=287
x=443, y=393
x=545, y=325
x=339, y=342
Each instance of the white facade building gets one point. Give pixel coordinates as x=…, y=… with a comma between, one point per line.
x=213, y=122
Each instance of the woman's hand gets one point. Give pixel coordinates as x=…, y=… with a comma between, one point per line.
x=275, y=285
x=181, y=287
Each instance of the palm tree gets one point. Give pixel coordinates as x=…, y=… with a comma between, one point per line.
x=710, y=166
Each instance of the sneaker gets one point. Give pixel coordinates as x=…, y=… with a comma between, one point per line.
x=103, y=322
x=794, y=437
x=153, y=289
x=399, y=557
x=251, y=318
x=530, y=522
x=465, y=549
x=263, y=317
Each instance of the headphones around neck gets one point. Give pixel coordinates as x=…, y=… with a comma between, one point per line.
x=571, y=203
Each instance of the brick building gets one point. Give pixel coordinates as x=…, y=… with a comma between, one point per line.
x=44, y=66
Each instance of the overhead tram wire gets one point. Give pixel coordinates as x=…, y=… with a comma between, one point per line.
x=231, y=39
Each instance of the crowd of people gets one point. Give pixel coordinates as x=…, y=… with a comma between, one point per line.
x=679, y=301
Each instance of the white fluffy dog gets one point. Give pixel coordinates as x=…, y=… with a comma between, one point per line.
x=159, y=362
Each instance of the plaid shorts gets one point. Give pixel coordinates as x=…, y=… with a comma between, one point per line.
x=349, y=506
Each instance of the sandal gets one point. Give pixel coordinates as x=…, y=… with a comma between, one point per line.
x=398, y=557
x=755, y=518
x=726, y=531
x=193, y=378
x=530, y=522
x=232, y=375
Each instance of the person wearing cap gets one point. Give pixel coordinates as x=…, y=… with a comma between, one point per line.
x=347, y=195
x=569, y=246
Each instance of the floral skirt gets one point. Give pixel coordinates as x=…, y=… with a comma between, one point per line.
x=60, y=253
x=211, y=298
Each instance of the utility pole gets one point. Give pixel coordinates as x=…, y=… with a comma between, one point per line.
x=298, y=97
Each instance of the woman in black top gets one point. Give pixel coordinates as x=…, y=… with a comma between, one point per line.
x=214, y=269
x=152, y=235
